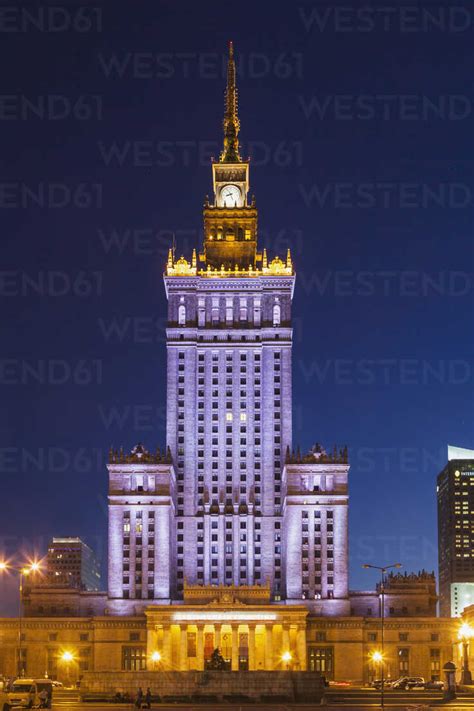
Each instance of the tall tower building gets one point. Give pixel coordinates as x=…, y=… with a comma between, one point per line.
x=229, y=384
x=236, y=506
x=455, y=493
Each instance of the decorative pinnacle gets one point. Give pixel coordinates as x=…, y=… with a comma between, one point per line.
x=231, y=123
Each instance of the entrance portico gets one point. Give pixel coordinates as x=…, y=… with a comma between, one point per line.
x=249, y=637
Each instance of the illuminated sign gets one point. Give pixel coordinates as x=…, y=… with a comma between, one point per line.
x=223, y=616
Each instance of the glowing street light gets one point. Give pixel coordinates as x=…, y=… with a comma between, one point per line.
x=382, y=569
x=286, y=659
x=155, y=658
x=465, y=633
x=376, y=657
x=67, y=657
x=23, y=570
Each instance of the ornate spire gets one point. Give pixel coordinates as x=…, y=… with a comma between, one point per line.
x=230, y=152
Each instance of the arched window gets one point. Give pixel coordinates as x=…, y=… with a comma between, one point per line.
x=276, y=315
x=182, y=315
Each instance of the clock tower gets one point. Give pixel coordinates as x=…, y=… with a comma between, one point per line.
x=230, y=222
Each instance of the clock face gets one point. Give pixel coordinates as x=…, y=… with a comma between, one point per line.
x=230, y=195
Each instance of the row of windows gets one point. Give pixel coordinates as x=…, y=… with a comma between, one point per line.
x=229, y=312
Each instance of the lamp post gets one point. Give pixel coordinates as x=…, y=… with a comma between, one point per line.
x=156, y=659
x=67, y=658
x=465, y=633
x=22, y=571
x=377, y=658
x=286, y=659
x=382, y=569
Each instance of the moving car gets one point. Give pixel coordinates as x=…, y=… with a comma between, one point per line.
x=408, y=682
x=377, y=683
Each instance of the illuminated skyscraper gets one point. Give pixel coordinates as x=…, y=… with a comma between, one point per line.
x=456, y=532
x=229, y=504
x=70, y=562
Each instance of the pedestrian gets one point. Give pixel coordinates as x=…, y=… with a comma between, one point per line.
x=148, y=698
x=139, y=698
x=43, y=699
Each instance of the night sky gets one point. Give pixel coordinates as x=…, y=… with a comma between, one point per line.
x=359, y=127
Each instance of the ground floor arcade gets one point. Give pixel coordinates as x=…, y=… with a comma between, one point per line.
x=248, y=639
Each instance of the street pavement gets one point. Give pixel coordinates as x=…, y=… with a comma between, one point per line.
x=336, y=699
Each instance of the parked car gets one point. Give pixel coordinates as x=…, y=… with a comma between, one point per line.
x=57, y=684
x=4, y=698
x=408, y=682
x=25, y=692
x=438, y=684
x=22, y=693
x=377, y=683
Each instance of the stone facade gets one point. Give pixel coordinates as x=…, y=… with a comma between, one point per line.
x=337, y=647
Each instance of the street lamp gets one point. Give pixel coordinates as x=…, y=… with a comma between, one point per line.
x=286, y=659
x=67, y=657
x=377, y=658
x=23, y=571
x=155, y=658
x=382, y=569
x=465, y=633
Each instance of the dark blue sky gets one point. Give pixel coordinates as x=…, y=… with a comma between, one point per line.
x=359, y=126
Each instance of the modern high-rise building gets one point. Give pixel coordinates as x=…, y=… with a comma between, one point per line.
x=228, y=503
x=456, y=532
x=71, y=563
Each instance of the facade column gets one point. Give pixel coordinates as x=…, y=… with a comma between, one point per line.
x=167, y=657
x=235, y=648
x=217, y=637
x=301, y=647
x=285, y=640
x=183, y=655
x=151, y=643
x=252, y=666
x=200, y=647
x=268, y=647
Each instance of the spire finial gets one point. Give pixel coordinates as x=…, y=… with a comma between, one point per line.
x=231, y=124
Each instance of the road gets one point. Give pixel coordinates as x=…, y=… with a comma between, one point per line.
x=337, y=699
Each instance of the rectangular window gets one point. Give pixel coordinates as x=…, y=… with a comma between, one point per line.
x=133, y=658
x=321, y=659
x=404, y=661
x=435, y=664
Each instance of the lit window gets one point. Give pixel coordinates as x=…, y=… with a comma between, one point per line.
x=228, y=416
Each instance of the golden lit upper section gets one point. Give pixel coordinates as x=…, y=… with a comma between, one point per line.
x=230, y=221
x=231, y=124
x=277, y=267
